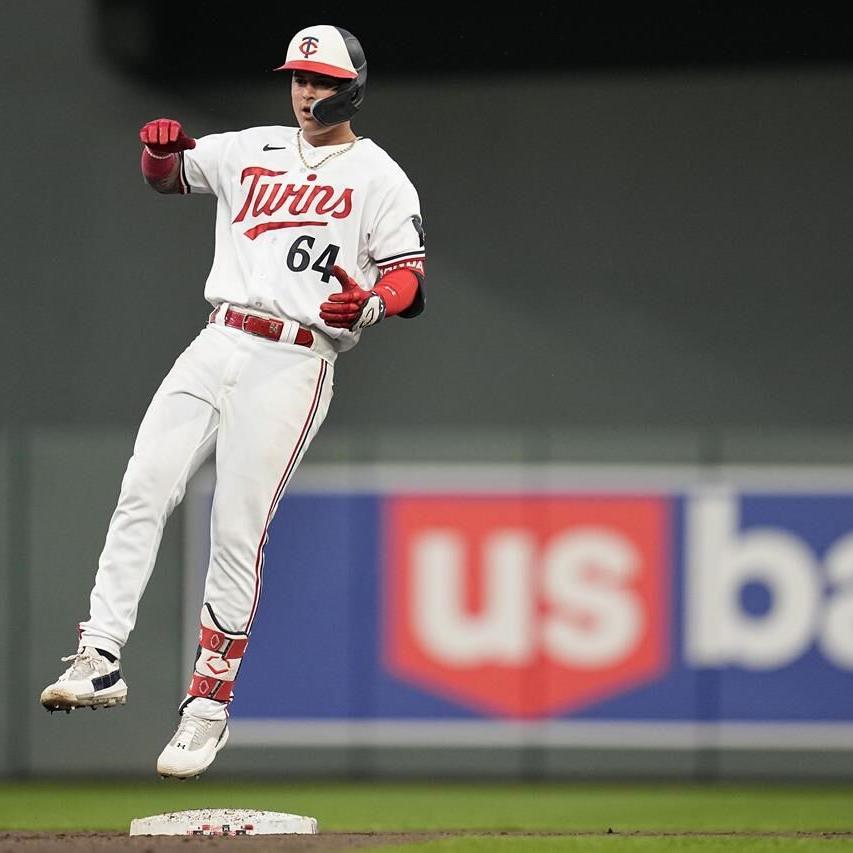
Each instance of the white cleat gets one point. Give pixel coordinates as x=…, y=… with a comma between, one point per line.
x=91, y=681
x=192, y=749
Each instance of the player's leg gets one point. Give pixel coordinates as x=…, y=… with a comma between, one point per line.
x=176, y=434
x=267, y=424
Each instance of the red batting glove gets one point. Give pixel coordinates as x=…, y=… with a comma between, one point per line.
x=344, y=310
x=165, y=136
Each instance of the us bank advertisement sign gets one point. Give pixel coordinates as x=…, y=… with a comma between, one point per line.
x=591, y=606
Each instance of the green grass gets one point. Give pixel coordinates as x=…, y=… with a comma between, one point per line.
x=367, y=806
x=628, y=845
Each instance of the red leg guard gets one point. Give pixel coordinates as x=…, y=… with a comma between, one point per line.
x=217, y=663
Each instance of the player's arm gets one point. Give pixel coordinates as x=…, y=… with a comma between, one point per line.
x=356, y=308
x=164, y=140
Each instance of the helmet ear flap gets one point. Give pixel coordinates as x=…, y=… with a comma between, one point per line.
x=347, y=101
x=344, y=104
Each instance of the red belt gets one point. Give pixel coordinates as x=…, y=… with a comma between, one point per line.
x=263, y=327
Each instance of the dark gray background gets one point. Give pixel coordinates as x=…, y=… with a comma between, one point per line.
x=606, y=248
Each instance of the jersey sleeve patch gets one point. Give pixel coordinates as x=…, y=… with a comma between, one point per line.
x=413, y=260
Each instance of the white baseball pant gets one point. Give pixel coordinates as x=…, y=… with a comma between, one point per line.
x=259, y=403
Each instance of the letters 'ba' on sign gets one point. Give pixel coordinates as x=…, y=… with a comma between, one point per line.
x=526, y=606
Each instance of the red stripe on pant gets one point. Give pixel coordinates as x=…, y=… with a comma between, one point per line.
x=282, y=483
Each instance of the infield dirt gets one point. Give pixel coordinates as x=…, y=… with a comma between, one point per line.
x=53, y=842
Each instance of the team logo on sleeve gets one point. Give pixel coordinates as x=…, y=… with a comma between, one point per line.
x=419, y=227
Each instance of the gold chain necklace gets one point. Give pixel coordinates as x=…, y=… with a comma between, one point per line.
x=307, y=165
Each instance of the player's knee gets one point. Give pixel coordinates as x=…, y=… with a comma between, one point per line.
x=151, y=480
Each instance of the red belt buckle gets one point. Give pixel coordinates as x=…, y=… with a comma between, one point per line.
x=263, y=327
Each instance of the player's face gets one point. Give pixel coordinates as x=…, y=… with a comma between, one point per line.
x=306, y=88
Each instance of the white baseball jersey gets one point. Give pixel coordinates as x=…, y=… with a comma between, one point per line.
x=281, y=227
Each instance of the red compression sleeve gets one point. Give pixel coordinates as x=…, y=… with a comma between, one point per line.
x=397, y=289
x=157, y=168
x=161, y=172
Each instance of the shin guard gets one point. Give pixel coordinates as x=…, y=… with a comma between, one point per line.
x=218, y=659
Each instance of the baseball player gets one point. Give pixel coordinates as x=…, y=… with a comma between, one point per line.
x=318, y=237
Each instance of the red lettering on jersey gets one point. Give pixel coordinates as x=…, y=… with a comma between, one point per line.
x=341, y=208
x=319, y=198
x=274, y=226
x=266, y=197
x=297, y=193
x=269, y=192
x=255, y=172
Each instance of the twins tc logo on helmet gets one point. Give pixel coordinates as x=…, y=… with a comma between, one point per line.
x=309, y=45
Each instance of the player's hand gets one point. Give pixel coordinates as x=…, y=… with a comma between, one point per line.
x=354, y=308
x=165, y=136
